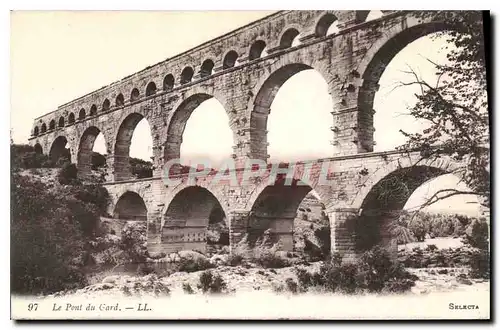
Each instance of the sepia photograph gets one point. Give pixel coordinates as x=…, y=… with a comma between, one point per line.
x=250, y=165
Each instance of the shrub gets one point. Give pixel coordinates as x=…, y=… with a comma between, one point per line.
x=45, y=240
x=479, y=264
x=418, y=228
x=477, y=235
x=186, y=287
x=235, y=260
x=146, y=269
x=291, y=285
x=67, y=174
x=373, y=272
x=210, y=283
x=271, y=260
x=194, y=265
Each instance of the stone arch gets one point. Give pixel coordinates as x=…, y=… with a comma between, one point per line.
x=180, y=116
x=106, y=105
x=71, y=118
x=267, y=88
x=134, y=95
x=186, y=75
x=61, y=122
x=130, y=206
x=123, y=140
x=168, y=82
x=93, y=110
x=84, y=154
x=187, y=214
x=273, y=208
x=442, y=165
x=44, y=128
x=151, y=89
x=256, y=50
x=81, y=114
x=36, y=131
x=230, y=59
x=287, y=37
x=120, y=100
x=59, y=150
x=52, y=124
x=324, y=23
x=384, y=195
x=206, y=68
x=373, y=64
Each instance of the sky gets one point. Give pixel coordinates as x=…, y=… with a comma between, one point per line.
x=59, y=56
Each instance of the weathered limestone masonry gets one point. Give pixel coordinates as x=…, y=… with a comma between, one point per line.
x=234, y=69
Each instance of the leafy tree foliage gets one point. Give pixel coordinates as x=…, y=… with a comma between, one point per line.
x=456, y=106
x=141, y=168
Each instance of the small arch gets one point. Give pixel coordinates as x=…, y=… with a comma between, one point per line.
x=289, y=38
x=52, y=124
x=230, y=60
x=44, y=128
x=134, y=95
x=327, y=24
x=38, y=149
x=206, y=68
x=61, y=121
x=168, y=82
x=130, y=206
x=71, y=118
x=120, y=100
x=257, y=50
x=187, y=75
x=106, y=104
x=81, y=114
x=151, y=89
x=36, y=131
x=93, y=110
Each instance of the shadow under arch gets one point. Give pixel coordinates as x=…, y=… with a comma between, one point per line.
x=130, y=206
x=260, y=109
x=59, y=150
x=187, y=217
x=274, y=210
x=383, y=204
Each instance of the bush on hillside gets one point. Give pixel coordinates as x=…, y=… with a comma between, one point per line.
x=46, y=239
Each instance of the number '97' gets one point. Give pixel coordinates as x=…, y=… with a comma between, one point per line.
x=32, y=307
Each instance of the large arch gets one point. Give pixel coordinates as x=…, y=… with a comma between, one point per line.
x=372, y=66
x=123, y=141
x=273, y=210
x=261, y=107
x=84, y=155
x=179, y=120
x=385, y=194
x=59, y=150
x=187, y=216
x=130, y=206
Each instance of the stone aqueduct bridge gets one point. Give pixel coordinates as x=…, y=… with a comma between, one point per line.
x=236, y=71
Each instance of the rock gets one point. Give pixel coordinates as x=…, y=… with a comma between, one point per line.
x=191, y=255
x=219, y=259
x=157, y=255
x=111, y=279
x=465, y=281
